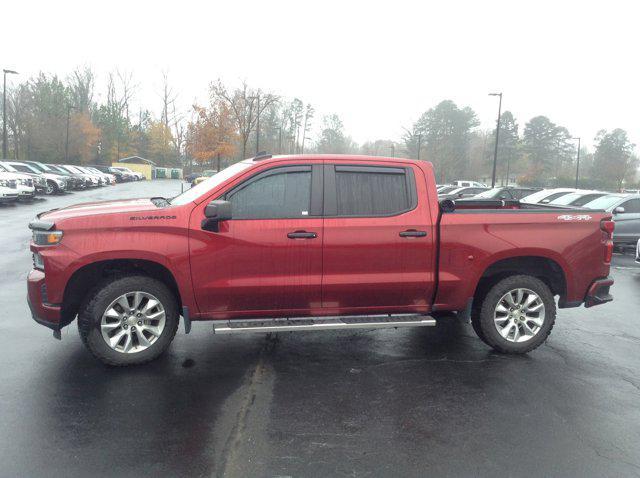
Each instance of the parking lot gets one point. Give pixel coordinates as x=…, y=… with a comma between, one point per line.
x=407, y=402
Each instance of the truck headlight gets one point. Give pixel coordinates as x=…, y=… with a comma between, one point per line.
x=46, y=238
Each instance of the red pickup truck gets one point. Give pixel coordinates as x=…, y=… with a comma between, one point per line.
x=309, y=243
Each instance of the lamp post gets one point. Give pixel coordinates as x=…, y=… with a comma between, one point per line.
x=4, y=111
x=577, y=162
x=66, y=143
x=495, y=152
x=419, y=144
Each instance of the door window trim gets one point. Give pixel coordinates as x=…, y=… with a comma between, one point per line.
x=315, y=206
x=331, y=194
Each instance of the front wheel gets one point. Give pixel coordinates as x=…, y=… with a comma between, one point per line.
x=517, y=314
x=128, y=321
x=52, y=188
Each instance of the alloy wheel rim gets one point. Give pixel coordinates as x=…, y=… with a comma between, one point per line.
x=133, y=322
x=519, y=315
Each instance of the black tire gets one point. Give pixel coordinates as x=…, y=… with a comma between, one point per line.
x=488, y=332
x=96, y=303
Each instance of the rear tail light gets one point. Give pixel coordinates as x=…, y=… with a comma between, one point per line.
x=607, y=225
x=608, y=252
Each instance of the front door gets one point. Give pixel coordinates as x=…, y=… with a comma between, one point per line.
x=266, y=260
x=378, y=240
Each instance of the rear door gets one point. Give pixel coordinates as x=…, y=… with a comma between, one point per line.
x=378, y=253
x=628, y=222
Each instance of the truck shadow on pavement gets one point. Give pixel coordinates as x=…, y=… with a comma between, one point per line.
x=298, y=404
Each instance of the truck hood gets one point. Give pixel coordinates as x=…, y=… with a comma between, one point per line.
x=101, y=207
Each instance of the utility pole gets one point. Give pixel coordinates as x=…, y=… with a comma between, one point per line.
x=393, y=150
x=577, y=163
x=419, y=144
x=4, y=111
x=495, y=152
x=66, y=144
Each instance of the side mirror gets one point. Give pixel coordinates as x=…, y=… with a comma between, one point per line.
x=216, y=211
x=618, y=210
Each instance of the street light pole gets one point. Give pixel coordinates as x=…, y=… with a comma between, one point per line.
x=66, y=144
x=577, y=163
x=495, y=152
x=4, y=111
x=419, y=144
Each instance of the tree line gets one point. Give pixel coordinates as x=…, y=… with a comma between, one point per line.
x=50, y=119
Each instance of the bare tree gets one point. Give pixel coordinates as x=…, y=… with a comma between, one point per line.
x=244, y=106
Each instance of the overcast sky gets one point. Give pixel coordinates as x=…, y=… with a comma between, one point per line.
x=378, y=65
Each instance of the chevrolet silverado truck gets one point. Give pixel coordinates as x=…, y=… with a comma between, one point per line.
x=313, y=242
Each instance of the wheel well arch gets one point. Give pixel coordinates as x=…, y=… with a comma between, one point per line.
x=86, y=277
x=544, y=268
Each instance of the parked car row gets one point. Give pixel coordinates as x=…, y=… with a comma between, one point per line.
x=624, y=207
x=21, y=180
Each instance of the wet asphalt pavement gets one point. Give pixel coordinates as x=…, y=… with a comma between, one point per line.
x=408, y=402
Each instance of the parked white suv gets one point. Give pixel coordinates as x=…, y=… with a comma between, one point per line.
x=24, y=183
x=8, y=188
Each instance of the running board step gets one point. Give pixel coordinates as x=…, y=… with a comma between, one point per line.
x=322, y=323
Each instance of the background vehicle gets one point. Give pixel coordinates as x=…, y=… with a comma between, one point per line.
x=135, y=174
x=545, y=196
x=578, y=198
x=8, y=188
x=466, y=183
x=55, y=183
x=446, y=189
x=507, y=192
x=42, y=168
x=24, y=183
x=95, y=179
x=462, y=192
x=113, y=177
x=76, y=180
x=626, y=214
x=88, y=179
x=205, y=175
x=317, y=238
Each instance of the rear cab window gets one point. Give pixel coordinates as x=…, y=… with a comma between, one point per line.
x=368, y=191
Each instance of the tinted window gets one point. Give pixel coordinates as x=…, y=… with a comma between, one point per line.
x=632, y=206
x=273, y=196
x=585, y=199
x=23, y=168
x=554, y=196
x=362, y=192
x=520, y=193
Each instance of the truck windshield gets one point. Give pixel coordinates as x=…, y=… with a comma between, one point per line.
x=195, y=192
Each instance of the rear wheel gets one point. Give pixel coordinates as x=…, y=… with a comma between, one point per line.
x=516, y=315
x=128, y=321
